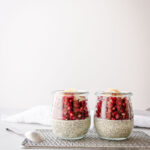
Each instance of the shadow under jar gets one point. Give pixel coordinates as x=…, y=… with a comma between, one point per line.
x=113, y=117
x=70, y=115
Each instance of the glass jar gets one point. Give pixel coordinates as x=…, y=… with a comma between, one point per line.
x=70, y=114
x=113, y=117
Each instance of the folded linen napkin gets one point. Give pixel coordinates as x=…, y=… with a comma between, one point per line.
x=37, y=114
x=142, y=118
x=42, y=115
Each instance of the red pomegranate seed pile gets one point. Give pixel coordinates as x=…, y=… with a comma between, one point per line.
x=74, y=109
x=117, y=108
x=98, y=107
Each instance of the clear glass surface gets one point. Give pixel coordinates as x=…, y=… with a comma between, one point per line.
x=113, y=117
x=70, y=114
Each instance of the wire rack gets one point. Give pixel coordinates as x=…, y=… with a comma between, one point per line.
x=138, y=139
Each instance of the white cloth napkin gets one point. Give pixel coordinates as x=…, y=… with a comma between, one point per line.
x=37, y=114
x=142, y=118
x=42, y=115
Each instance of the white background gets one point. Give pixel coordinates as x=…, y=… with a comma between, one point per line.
x=84, y=44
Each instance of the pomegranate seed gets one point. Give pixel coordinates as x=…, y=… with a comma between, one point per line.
x=118, y=107
x=63, y=117
x=108, y=115
x=71, y=100
x=76, y=110
x=79, y=116
x=64, y=113
x=114, y=98
x=119, y=101
x=69, y=108
x=109, y=110
x=114, y=108
x=72, y=118
x=71, y=113
x=114, y=113
x=123, y=114
x=69, y=104
x=83, y=117
x=97, y=115
x=81, y=109
x=76, y=104
x=117, y=116
x=86, y=113
x=109, y=105
x=83, y=103
x=124, y=104
x=121, y=111
x=85, y=108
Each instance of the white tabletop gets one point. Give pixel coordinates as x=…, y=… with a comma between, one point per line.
x=10, y=141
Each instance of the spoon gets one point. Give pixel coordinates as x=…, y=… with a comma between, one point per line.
x=30, y=135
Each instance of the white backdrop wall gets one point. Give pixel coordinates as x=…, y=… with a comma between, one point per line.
x=84, y=44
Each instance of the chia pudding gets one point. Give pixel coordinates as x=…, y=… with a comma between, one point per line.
x=70, y=128
x=113, y=116
x=70, y=115
x=119, y=129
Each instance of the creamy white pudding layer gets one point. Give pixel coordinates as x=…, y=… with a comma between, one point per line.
x=70, y=128
x=113, y=128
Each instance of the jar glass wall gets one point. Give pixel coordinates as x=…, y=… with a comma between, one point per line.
x=113, y=117
x=70, y=114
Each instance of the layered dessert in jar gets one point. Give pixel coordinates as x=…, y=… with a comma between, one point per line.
x=70, y=114
x=113, y=117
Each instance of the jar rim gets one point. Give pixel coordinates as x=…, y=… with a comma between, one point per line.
x=111, y=93
x=72, y=92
